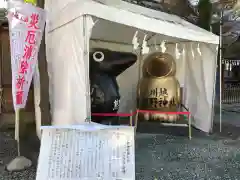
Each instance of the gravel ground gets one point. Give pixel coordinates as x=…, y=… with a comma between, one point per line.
x=177, y=158
x=8, y=150
x=163, y=156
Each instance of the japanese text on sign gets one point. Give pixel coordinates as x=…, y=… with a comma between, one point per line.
x=87, y=154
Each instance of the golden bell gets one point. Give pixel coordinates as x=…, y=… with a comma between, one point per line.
x=159, y=89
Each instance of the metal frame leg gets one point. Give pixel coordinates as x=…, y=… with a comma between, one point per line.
x=189, y=127
x=131, y=118
x=136, y=121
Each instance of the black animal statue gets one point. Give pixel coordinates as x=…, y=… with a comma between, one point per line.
x=105, y=66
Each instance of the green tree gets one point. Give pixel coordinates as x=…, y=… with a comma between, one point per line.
x=205, y=14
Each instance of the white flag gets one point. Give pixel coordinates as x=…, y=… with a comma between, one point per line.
x=26, y=26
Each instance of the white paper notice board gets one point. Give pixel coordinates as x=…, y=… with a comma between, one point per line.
x=87, y=153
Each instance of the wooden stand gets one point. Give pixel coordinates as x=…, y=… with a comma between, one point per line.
x=179, y=123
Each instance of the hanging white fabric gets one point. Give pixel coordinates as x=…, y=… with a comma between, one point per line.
x=68, y=72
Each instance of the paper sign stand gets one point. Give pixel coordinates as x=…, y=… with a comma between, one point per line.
x=87, y=151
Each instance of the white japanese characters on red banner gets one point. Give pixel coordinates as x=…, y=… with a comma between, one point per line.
x=26, y=26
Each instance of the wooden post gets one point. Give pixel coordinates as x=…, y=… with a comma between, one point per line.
x=17, y=128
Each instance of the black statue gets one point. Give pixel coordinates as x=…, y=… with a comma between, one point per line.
x=105, y=66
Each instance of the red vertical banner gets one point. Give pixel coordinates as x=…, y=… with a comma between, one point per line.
x=26, y=26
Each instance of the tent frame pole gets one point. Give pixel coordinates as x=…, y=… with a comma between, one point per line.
x=86, y=57
x=220, y=70
x=130, y=44
x=140, y=54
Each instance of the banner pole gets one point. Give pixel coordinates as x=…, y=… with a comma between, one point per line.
x=17, y=127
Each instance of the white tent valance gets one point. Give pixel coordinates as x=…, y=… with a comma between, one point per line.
x=75, y=26
x=169, y=26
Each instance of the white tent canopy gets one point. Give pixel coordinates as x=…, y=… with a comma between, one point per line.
x=165, y=25
x=75, y=26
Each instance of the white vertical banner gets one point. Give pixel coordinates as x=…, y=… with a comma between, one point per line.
x=26, y=26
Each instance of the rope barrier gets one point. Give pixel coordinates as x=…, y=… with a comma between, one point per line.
x=160, y=112
x=137, y=111
x=113, y=114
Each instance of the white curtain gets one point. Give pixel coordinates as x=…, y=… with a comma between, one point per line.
x=68, y=72
x=199, y=82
